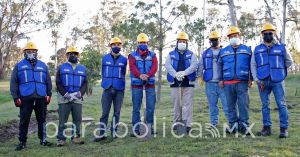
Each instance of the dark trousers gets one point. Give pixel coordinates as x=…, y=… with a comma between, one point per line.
x=110, y=96
x=64, y=111
x=40, y=108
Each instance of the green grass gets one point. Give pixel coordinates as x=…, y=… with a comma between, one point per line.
x=170, y=146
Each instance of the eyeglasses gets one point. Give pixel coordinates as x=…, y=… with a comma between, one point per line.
x=269, y=33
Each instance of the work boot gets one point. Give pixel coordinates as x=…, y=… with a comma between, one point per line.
x=266, y=131
x=45, y=143
x=188, y=129
x=77, y=140
x=283, y=133
x=98, y=139
x=60, y=143
x=20, y=146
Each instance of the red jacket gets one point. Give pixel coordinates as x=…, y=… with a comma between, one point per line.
x=135, y=71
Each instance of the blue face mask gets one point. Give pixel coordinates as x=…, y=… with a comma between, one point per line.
x=116, y=49
x=143, y=47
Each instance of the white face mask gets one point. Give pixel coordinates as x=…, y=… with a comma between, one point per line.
x=181, y=46
x=234, y=41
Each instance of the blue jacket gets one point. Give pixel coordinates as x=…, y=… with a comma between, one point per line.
x=32, y=79
x=113, y=72
x=236, y=65
x=207, y=59
x=72, y=79
x=144, y=67
x=270, y=62
x=175, y=59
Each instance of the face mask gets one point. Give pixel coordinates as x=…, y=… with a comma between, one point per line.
x=143, y=47
x=234, y=41
x=73, y=59
x=116, y=49
x=31, y=57
x=181, y=46
x=214, y=43
x=268, y=38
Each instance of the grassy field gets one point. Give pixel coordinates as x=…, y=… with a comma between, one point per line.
x=169, y=145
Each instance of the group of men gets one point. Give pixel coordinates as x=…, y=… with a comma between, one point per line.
x=228, y=73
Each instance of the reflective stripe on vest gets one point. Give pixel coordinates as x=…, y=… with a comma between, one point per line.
x=174, y=55
x=144, y=66
x=270, y=62
x=113, y=72
x=32, y=79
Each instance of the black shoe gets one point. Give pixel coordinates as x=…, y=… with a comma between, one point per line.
x=135, y=135
x=244, y=131
x=266, y=131
x=231, y=132
x=283, y=133
x=20, y=146
x=45, y=143
x=188, y=129
x=99, y=139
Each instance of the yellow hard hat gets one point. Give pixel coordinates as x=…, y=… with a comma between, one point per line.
x=214, y=35
x=268, y=26
x=30, y=46
x=72, y=49
x=182, y=36
x=142, y=37
x=115, y=40
x=233, y=30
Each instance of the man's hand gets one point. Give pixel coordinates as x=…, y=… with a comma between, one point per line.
x=200, y=81
x=250, y=83
x=144, y=77
x=48, y=99
x=179, y=76
x=221, y=84
x=261, y=85
x=18, y=102
x=78, y=95
x=68, y=96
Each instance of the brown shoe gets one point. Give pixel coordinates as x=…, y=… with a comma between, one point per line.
x=77, y=140
x=60, y=143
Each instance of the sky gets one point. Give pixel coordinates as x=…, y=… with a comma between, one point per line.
x=81, y=11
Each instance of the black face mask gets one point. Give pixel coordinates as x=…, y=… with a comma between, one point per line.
x=73, y=59
x=214, y=43
x=268, y=37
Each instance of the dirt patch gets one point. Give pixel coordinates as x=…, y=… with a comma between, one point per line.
x=11, y=129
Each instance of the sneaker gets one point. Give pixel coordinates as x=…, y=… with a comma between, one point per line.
x=266, y=131
x=61, y=143
x=20, y=146
x=98, y=139
x=283, y=133
x=45, y=143
x=77, y=140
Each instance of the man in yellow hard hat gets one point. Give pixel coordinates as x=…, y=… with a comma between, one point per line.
x=113, y=83
x=235, y=78
x=181, y=66
x=269, y=64
x=71, y=83
x=31, y=89
x=208, y=71
x=143, y=66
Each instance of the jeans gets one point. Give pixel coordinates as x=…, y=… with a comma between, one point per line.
x=110, y=96
x=279, y=93
x=213, y=93
x=137, y=98
x=237, y=96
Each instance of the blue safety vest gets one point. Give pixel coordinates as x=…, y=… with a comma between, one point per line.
x=187, y=58
x=270, y=62
x=31, y=78
x=144, y=66
x=208, y=59
x=113, y=72
x=72, y=79
x=236, y=64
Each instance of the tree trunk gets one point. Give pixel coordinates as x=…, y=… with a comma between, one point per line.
x=269, y=11
x=232, y=12
x=160, y=56
x=282, y=38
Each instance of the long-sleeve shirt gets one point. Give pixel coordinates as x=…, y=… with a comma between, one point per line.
x=14, y=85
x=191, y=69
x=288, y=60
x=136, y=72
